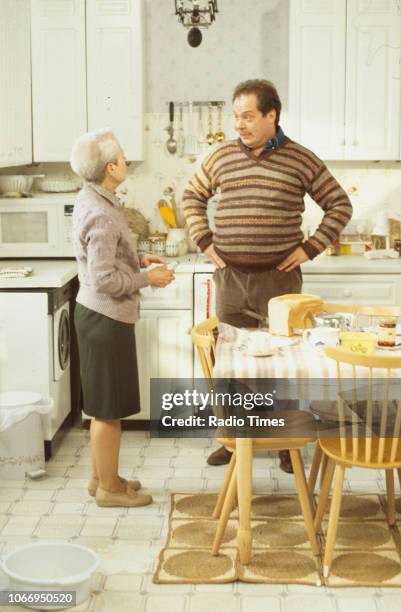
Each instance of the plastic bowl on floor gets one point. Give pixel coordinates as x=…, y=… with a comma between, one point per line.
x=51, y=566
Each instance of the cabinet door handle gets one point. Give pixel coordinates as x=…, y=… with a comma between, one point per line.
x=347, y=293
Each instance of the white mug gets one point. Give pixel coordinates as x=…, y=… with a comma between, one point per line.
x=259, y=343
x=321, y=336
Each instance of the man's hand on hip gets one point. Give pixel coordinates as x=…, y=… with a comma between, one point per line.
x=214, y=258
x=293, y=260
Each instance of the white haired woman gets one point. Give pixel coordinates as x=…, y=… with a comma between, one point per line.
x=107, y=309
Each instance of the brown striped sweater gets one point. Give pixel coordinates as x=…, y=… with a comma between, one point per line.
x=258, y=219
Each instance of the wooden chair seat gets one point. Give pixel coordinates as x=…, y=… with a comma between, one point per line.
x=332, y=448
x=268, y=444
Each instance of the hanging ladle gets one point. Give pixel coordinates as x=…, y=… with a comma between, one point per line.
x=171, y=143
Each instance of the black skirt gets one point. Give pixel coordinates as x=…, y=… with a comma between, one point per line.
x=108, y=365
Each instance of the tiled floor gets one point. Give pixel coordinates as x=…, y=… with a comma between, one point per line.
x=129, y=540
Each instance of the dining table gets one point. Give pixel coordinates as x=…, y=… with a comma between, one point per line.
x=291, y=358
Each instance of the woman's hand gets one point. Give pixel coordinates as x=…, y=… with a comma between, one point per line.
x=148, y=259
x=160, y=276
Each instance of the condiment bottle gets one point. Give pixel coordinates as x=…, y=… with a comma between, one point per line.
x=387, y=331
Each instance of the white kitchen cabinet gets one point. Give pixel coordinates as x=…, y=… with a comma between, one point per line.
x=373, y=80
x=344, y=86
x=58, y=77
x=87, y=74
x=115, y=70
x=15, y=83
x=164, y=349
x=317, y=75
x=366, y=289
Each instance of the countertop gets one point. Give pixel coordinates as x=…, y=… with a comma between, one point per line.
x=47, y=273
x=346, y=264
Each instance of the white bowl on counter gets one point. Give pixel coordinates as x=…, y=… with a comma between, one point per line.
x=58, y=184
x=17, y=183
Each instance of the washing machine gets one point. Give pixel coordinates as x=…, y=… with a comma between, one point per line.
x=36, y=341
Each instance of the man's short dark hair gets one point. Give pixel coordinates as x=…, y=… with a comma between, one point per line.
x=266, y=94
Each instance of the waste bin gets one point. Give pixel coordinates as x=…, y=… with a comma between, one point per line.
x=22, y=439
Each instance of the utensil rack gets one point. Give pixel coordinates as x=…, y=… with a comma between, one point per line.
x=197, y=103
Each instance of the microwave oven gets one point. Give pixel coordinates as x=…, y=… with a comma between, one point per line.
x=36, y=227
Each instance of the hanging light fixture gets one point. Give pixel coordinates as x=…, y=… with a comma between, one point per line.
x=195, y=17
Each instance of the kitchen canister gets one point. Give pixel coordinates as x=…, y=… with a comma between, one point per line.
x=179, y=235
x=159, y=248
x=171, y=248
x=143, y=246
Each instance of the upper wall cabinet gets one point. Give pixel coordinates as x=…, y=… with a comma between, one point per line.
x=87, y=62
x=15, y=83
x=58, y=77
x=344, y=94
x=115, y=70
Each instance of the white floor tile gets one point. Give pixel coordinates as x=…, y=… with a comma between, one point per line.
x=185, y=484
x=260, y=604
x=389, y=603
x=124, y=582
x=74, y=509
x=157, y=603
x=39, y=495
x=20, y=525
x=35, y=508
x=10, y=494
x=59, y=526
x=112, y=601
x=357, y=604
x=127, y=556
x=99, y=526
x=223, y=602
x=316, y=602
x=130, y=528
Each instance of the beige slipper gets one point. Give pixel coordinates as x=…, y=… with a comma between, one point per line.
x=131, y=484
x=129, y=499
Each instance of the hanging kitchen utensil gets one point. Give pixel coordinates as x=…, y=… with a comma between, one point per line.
x=180, y=135
x=219, y=135
x=209, y=135
x=200, y=131
x=191, y=146
x=171, y=143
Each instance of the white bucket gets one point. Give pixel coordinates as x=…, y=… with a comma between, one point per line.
x=22, y=448
x=51, y=566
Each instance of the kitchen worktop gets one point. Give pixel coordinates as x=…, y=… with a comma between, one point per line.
x=46, y=273
x=346, y=264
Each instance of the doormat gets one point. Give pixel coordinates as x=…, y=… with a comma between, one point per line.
x=367, y=551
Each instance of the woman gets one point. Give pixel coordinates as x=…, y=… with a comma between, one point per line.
x=107, y=309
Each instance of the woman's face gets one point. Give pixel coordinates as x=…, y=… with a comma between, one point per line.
x=118, y=171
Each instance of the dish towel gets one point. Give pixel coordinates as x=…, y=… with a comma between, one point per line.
x=15, y=272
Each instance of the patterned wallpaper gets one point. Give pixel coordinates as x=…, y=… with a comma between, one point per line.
x=249, y=39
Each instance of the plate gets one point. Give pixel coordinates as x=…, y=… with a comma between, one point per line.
x=275, y=343
x=11, y=399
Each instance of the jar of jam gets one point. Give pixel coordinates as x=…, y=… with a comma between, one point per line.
x=387, y=331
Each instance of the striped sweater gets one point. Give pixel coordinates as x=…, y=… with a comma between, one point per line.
x=258, y=219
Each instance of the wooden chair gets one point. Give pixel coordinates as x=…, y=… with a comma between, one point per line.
x=237, y=484
x=367, y=443
x=370, y=314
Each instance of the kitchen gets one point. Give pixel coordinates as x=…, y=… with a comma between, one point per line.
x=75, y=65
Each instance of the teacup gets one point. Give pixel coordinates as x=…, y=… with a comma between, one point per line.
x=258, y=343
x=321, y=336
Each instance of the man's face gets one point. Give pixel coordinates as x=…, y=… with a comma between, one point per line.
x=253, y=128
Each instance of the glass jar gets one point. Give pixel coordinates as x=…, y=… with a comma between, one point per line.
x=387, y=331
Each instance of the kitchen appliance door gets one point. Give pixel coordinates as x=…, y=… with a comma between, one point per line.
x=29, y=230
x=204, y=297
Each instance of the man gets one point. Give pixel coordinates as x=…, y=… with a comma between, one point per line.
x=258, y=244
